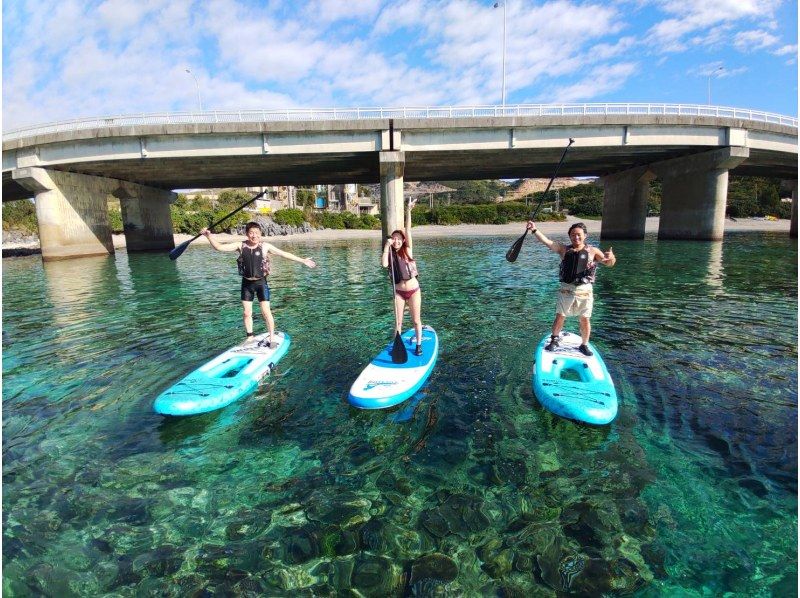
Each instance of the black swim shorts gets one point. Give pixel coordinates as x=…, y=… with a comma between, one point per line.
x=255, y=288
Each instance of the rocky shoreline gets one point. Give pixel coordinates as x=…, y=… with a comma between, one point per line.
x=16, y=244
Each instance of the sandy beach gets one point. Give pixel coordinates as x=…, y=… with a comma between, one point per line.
x=553, y=229
x=478, y=230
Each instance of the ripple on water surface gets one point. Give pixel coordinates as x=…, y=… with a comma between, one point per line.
x=469, y=488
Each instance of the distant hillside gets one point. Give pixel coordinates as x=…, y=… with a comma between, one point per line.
x=525, y=187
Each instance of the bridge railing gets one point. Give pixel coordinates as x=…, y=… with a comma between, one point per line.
x=321, y=114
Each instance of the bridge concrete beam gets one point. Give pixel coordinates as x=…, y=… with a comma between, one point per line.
x=625, y=196
x=694, y=193
x=146, y=218
x=391, y=165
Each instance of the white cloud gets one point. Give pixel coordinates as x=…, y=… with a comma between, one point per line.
x=398, y=15
x=71, y=58
x=602, y=80
x=749, y=41
x=787, y=49
x=686, y=18
x=328, y=11
x=716, y=70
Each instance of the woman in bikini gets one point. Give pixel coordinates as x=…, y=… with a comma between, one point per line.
x=398, y=258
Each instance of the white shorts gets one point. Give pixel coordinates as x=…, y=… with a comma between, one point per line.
x=575, y=300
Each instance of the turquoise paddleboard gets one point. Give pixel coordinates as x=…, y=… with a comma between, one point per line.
x=224, y=379
x=572, y=385
x=385, y=384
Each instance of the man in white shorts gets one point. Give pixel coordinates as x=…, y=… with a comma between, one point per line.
x=577, y=273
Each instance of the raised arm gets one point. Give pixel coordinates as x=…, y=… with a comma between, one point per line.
x=553, y=246
x=307, y=261
x=216, y=244
x=387, y=247
x=606, y=258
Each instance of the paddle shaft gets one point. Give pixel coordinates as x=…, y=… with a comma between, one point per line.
x=399, y=352
x=553, y=178
x=176, y=253
x=239, y=209
x=513, y=252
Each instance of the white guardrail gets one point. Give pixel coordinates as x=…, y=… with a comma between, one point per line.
x=318, y=114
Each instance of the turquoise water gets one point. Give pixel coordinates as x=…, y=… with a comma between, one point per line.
x=469, y=488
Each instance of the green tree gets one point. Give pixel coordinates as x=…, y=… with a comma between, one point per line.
x=230, y=199
x=20, y=215
x=482, y=191
x=753, y=196
x=306, y=197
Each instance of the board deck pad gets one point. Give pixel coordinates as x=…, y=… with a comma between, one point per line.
x=224, y=379
x=385, y=384
x=573, y=385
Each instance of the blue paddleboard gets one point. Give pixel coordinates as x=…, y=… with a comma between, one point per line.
x=224, y=379
x=572, y=385
x=385, y=384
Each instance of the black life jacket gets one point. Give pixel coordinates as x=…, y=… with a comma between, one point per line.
x=253, y=262
x=401, y=268
x=577, y=267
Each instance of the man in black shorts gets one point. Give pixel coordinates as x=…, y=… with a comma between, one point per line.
x=254, y=266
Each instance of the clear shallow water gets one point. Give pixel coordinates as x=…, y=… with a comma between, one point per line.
x=470, y=488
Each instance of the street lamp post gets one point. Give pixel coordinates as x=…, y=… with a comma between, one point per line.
x=497, y=4
x=197, y=86
x=711, y=74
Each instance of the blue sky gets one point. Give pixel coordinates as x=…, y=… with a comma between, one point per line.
x=66, y=59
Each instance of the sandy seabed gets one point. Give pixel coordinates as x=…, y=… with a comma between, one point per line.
x=555, y=230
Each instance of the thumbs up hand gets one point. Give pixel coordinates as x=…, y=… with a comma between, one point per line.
x=609, y=258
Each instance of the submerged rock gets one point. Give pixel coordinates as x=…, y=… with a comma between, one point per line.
x=431, y=572
x=164, y=560
x=459, y=514
x=499, y=564
x=510, y=471
x=375, y=576
x=339, y=542
x=342, y=509
x=389, y=481
x=296, y=545
x=582, y=575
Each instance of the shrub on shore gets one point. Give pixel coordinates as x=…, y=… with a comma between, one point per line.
x=20, y=216
x=290, y=217
x=343, y=220
x=479, y=214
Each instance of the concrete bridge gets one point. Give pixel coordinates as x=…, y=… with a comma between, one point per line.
x=72, y=167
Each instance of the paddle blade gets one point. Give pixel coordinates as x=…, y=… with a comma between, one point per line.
x=399, y=353
x=176, y=253
x=511, y=254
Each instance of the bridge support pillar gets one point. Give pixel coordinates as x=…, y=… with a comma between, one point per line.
x=145, y=217
x=392, y=165
x=625, y=196
x=71, y=210
x=72, y=213
x=694, y=193
x=793, y=222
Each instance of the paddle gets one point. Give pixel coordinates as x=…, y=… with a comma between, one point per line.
x=513, y=252
x=176, y=253
x=399, y=353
